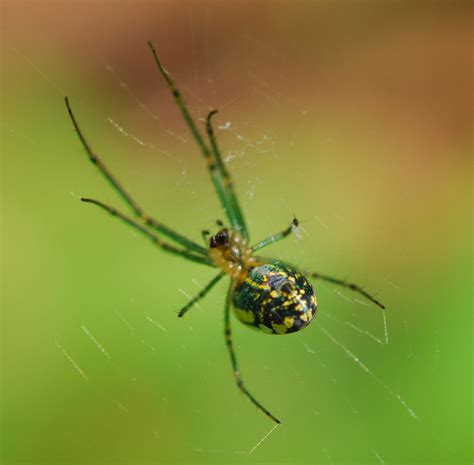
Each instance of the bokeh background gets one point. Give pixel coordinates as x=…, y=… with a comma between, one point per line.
x=354, y=116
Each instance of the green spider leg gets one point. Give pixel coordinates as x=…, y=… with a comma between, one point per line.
x=154, y=238
x=215, y=165
x=136, y=209
x=201, y=294
x=276, y=237
x=228, y=181
x=323, y=277
x=235, y=366
x=344, y=283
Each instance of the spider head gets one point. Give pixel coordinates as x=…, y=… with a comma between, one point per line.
x=229, y=252
x=221, y=240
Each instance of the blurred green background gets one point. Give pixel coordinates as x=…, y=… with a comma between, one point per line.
x=354, y=116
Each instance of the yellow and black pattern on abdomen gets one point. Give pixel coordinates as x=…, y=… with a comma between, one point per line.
x=275, y=299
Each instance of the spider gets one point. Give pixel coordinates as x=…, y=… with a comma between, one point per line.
x=266, y=294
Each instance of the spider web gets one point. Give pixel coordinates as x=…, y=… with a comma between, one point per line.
x=250, y=142
x=252, y=145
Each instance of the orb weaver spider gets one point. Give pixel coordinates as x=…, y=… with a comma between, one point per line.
x=266, y=294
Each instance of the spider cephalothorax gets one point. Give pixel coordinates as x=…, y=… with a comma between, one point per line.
x=229, y=251
x=266, y=293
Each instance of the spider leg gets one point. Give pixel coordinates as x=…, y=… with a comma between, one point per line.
x=154, y=238
x=201, y=294
x=276, y=237
x=323, y=277
x=346, y=284
x=137, y=210
x=235, y=366
x=218, y=177
x=228, y=182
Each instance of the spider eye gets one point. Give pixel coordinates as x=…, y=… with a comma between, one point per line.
x=220, y=239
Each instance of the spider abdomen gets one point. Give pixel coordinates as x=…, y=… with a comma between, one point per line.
x=275, y=299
